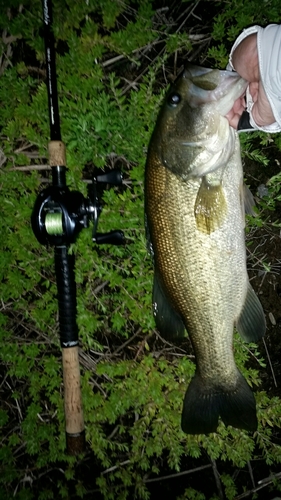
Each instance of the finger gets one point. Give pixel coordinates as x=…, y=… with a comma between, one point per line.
x=261, y=111
x=236, y=111
x=233, y=119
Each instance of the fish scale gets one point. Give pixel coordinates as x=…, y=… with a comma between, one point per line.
x=195, y=225
x=178, y=264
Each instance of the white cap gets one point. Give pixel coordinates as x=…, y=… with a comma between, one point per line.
x=269, y=55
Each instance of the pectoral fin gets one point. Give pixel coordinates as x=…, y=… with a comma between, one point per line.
x=168, y=321
x=251, y=322
x=210, y=207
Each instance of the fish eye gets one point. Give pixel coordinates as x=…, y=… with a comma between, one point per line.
x=174, y=99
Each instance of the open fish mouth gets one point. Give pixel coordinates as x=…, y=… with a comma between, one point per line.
x=209, y=86
x=214, y=94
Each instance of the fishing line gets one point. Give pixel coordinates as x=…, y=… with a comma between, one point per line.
x=53, y=223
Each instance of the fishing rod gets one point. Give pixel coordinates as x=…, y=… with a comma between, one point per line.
x=58, y=217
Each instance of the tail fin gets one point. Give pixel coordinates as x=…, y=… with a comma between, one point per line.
x=203, y=405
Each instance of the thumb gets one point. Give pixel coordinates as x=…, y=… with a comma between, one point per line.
x=261, y=111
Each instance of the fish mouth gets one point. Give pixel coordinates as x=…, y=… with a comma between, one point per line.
x=220, y=87
x=230, y=88
x=236, y=91
x=218, y=91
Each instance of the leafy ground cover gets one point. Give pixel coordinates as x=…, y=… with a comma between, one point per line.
x=114, y=62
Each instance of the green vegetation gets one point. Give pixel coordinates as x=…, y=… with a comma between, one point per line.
x=114, y=61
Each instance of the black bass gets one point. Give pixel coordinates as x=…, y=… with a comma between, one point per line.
x=195, y=222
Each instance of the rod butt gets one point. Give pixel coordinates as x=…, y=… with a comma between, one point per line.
x=75, y=443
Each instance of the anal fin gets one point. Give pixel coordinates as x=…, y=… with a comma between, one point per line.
x=251, y=322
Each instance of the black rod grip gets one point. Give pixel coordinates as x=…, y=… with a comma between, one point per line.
x=64, y=265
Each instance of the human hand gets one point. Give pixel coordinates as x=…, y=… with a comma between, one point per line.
x=261, y=109
x=236, y=111
x=245, y=61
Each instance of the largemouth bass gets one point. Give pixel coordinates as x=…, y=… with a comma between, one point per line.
x=195, y=222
